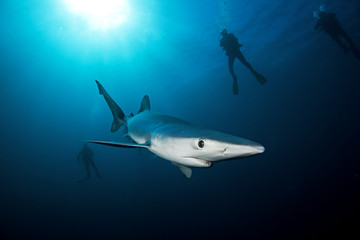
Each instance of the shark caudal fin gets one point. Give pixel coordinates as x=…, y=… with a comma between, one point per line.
x=145, y=104
x=118, y=114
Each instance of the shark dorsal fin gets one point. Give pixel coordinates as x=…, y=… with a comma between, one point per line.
x=145, y=104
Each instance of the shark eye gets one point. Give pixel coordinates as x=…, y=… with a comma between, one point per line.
x=201, y=143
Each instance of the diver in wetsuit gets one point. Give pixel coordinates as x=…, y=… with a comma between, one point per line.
x=328, y=23
x=86, y=155
x=230, y=44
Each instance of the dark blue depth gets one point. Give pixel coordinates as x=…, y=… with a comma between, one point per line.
x=305, y=185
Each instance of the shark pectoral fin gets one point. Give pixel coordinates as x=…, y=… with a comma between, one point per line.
x=184, y=169
x=123, y=145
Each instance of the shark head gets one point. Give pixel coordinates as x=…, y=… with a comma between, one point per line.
x=197, y=147
x=220, y=146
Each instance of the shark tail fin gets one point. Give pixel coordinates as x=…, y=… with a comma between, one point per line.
x=118, y=114
x=145, y=104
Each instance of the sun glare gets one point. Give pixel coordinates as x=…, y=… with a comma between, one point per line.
x=101, y=14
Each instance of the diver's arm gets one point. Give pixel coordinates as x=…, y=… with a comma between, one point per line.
x=222, y=44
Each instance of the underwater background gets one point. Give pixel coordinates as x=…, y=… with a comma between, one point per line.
x=305, y=185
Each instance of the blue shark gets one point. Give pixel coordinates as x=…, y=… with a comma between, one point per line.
x=182, y=143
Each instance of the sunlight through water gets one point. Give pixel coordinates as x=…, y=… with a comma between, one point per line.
x=101, y=14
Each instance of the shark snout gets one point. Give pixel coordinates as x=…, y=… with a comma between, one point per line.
x=243, y=150
x=254, y=149
x=258, y=148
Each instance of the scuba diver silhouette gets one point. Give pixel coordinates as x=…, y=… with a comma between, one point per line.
x=231, y=46
x=328, y=23
x=86, y=155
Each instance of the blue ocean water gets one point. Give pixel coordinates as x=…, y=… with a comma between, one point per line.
x=305, y=185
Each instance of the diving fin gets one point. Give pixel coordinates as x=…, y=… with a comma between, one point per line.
x=235, y=87
x=356, y=53
x=261, y=79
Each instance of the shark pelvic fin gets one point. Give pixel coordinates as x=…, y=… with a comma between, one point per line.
x=187, y=171
x=145, y=104
x=123, y=145
x=118, y=114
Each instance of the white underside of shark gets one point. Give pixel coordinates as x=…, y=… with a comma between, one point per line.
x=184, y=144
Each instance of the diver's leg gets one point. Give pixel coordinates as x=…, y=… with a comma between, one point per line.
x=353, y=48
x=261, y=79
x=242, y=59
x=87, y=170
x=96, y=170
x=346, y=37
x=231, y=68
x=336, y=38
